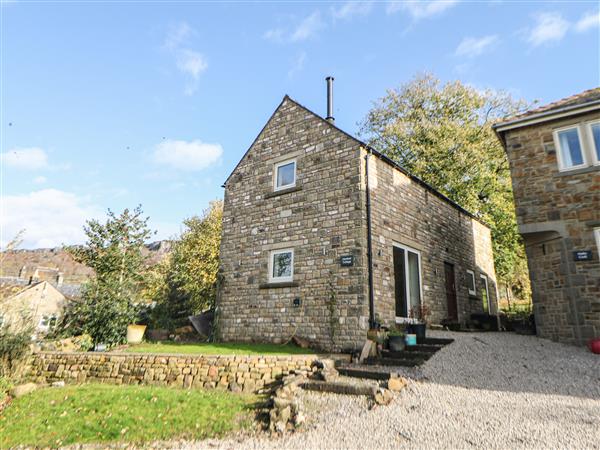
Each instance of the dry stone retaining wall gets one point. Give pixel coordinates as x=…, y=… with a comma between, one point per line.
x=247, y=373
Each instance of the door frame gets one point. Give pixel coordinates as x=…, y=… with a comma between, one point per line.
x=453, y=267
x=406, y=279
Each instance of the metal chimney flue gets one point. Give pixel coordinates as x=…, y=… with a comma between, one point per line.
x=330, y=117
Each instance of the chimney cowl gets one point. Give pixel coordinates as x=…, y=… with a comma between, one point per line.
x=330, y=117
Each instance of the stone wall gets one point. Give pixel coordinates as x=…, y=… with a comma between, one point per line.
x=324, y=218
x=321, y=219
x=247, y=373
x=557, y=213
x=405, y=212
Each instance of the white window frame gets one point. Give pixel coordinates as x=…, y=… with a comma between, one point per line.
x=275, y=172
x=487, y=292
x=590, y=140
x=272, y=254
x=559, y=154
x=597, y=236
x=407, y=249
x=472, y=275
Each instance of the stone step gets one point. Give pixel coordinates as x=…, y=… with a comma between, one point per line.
x=403, y=362
x=363, y=373
x=437, y=341
x=341, y=387
x=411, y=354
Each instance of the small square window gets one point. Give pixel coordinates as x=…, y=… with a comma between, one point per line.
x=595, y=138
x=569, y=147
x=281, y=266
x=471, y=282
x=285, y=175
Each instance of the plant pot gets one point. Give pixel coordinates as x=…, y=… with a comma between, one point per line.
x=419, y=330
x=410, y=339
x=396, y=343
x=594, y=345
x=135, y=333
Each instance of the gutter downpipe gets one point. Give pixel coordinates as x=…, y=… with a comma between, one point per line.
x=369, y=245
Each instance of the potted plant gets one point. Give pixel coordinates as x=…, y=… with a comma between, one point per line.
x=135, y=333
x=419, y=315
x=396, y=340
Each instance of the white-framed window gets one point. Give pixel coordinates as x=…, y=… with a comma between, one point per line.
x=593, y=129
x=597, y=236
x=284, y=175
x=471, y=282
x=407, y=281
x=485, y=294
x=569, y=146
x=281, y=266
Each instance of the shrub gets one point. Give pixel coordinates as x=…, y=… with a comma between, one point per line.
x=14, y=346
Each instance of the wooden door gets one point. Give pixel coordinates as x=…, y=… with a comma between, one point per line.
x=451, y=291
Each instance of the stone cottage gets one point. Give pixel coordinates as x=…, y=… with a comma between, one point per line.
x=554, y=154
x=323, y=236
x=39, y=303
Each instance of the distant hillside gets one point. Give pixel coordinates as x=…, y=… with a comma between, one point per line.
x=56, y=258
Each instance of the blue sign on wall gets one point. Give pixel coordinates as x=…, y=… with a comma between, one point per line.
x=583, y=255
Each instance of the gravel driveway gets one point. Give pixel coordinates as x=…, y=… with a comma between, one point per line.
x=492, y=390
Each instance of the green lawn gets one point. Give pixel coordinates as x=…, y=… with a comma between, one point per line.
x=219, y=349
x=88, y=413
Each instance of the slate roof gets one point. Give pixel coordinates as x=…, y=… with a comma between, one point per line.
x=573, y=101
x=373, y=151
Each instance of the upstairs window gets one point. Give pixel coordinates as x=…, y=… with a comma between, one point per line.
x=594, y=130
x=471, y=282
x=285, y=175
x=570, y=152
x=281, y=266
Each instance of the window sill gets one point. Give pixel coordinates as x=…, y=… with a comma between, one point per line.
x=274, y=285
x=567, y=172
x=282, y=192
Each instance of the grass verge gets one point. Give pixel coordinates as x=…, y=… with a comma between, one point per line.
x=97, y=413
x=218, y=349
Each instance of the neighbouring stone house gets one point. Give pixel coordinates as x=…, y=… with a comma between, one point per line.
x=314, y=247
x=554, y=154
x=40, y=303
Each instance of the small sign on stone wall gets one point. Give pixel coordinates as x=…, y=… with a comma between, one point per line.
x=583, y=255
x=347, y=260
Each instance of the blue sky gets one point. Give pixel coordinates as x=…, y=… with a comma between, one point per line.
x=111, y=104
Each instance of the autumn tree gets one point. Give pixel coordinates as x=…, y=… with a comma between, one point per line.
x=111, y=300
x=442, y=133
x=185, y=282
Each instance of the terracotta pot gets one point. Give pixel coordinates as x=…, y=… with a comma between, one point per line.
x=594, y=345
x=135, y=333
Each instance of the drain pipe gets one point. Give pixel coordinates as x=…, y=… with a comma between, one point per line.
x=369, y=245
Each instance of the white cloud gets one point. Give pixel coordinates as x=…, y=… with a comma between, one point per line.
x=351, y=9
x=420, y=9
x=32, y=158
x=308, y=28
x=50, y=217
x=589, y=20
x=189, y=62
x=472, y=47
x=276, y=35
x=549, y=26
x=40, y=180
x=298, y=64
x=177, y=35
x=188, y=156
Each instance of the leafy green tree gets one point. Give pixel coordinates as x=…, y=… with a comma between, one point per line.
x=185, y=282
x=442, y=133
x=112, y=299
